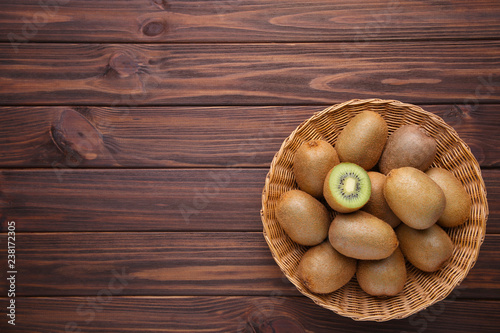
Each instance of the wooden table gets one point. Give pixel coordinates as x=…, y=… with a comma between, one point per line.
x=135, y=137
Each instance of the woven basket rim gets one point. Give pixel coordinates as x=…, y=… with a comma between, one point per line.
x=438, y=121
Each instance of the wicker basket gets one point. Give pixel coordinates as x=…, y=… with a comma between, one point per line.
x=421, y=289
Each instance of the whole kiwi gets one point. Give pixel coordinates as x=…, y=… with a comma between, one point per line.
x=362, y=140
x=409, y=146
x=304, y=219
x=414, y=197
x=458, y=201
x=361, y=235
x=385, y=277
x=377, y=205
x=426, y=249
x=311, y=163
x=322, y=269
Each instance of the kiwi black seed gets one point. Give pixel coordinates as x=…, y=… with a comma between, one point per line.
x=347, y=187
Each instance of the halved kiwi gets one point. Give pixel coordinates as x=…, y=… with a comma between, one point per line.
x=347, y=187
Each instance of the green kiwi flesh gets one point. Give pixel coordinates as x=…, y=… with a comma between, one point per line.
x=347, y=187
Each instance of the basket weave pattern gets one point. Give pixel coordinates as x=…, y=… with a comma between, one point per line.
x=421, y=289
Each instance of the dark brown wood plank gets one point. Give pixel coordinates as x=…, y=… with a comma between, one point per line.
x=274, y=313
x=245, y=20
x=179, y=263
x=238, y=136
x=476, y=125
x=248, y=74
x=134, y=199
x=148, y=263
x=222, y=199
x=152, y=136
x=492, y=181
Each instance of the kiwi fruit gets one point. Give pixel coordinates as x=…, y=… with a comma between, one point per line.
x=384, y=277
x=311, y=163
x=409, y=146
x=347, y=187
x=377, y=205
x=303, y=218
x=426, y=249
x=361, y=235
x=458, y=201
x=362, y=140
x=414, y=197
x=322, y=269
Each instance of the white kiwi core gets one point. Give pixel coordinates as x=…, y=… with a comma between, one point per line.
x=350, y=185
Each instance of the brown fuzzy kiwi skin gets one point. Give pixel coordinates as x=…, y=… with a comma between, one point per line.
x=414, y=197
x=428, y=249
x=385, y=277
x=361, y=235
x=311, y=163
x=362, y=140
x=409, y=146
x=377, y=205
x=322, y=269
x=458, y=201
x=303, y=218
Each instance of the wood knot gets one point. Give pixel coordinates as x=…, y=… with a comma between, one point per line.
x=75, y=136
x=123, y=64
x=154, y=28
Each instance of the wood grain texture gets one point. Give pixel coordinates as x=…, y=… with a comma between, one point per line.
x=135, y=137
x=132, y=199
x=153, y=136
x=178, y=263
x=248, y=74
x=236, y=136
x=276, y=314
x=149, y=199
x=145, y=263
x=246, y=20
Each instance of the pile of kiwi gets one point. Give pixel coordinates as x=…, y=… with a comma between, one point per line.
x=370, y=204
